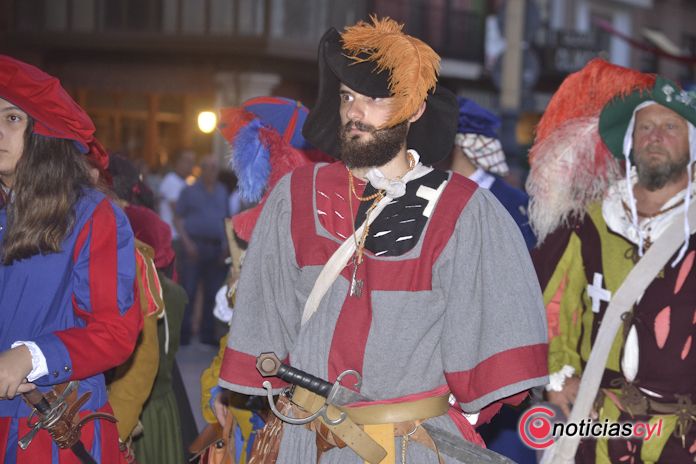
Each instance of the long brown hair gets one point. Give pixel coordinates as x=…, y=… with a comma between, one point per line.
x=49, y=179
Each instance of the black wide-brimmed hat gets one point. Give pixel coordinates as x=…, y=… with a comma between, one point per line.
x=432, y=135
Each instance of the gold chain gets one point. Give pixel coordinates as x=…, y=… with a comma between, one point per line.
x=352, y=189
x=377, y=197
x=360, y=245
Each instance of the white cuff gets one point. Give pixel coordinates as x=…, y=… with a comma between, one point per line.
x=472, y=418
x=222, y=310
x=38, y=360
x=557, y=379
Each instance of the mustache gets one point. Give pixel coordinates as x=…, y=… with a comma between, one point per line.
x=655, y=149
x=361, y=126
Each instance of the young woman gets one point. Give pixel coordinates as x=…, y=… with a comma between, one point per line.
x=67, y=267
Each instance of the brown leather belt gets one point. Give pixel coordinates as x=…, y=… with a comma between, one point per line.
x=406, y=418
x=379, y=413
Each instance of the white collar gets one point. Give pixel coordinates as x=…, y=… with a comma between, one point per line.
x=395, y=188
x=482, y=178
x=619, y=221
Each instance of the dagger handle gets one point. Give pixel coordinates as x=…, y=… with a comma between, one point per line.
x=308, y=381
x=36, y=399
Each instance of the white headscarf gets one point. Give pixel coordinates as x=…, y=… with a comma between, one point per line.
x=627, y=147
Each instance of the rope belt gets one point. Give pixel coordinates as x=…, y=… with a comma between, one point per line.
x=635, y=402
x=369, y=430
x=685, y=411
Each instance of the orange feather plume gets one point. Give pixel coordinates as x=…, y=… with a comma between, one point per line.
x=583, y=94
x=412, y=65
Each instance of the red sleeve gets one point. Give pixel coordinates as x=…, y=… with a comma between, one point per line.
x=108, y=304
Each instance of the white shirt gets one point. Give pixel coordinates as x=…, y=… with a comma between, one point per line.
x=482, y=178
x=619, y=221
x=169, y=190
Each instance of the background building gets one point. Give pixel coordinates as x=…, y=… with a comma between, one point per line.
x=143, y=69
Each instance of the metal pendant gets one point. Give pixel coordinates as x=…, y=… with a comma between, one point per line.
x=356, y=284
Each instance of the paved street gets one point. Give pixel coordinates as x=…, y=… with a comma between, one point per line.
x=192, y=360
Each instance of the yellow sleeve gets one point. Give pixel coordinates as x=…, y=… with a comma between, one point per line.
x=133, y=380
x=563, y=301
x=209, y=380
x=149, y=285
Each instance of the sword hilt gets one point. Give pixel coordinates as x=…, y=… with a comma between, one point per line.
x=269, y=365
x=37, y=399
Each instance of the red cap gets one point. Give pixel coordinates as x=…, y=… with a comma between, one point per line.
x=149, y=228
x=54, y=112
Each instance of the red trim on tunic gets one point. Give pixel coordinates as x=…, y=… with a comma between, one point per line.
x=437, y=391
x=488, y=412
x=109, y=335
x=240, y=369
x=501, y=369
x=302, y=227
x=353, y=326
x=350, y=334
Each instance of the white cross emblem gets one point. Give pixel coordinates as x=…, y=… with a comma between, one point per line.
x=431, y=195
x=597, y=293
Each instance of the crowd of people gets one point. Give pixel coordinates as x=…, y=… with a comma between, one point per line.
x=377, y=247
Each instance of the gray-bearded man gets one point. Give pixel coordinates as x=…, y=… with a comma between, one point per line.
x=596, y=221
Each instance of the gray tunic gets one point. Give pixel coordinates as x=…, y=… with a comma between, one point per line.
x=462, y=308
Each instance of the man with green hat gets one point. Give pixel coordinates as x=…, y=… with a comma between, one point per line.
x=380, y=265
x=625, y=169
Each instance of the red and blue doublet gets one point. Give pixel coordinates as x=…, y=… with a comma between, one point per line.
x=79, y=306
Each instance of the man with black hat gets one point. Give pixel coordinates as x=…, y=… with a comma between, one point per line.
x=381, y=265
x=609, y=221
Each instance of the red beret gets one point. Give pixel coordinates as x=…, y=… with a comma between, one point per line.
x=149, y=228
x=54, y=112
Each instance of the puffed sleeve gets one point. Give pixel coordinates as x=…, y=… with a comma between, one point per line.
x=108, y=319
x=494, y=337
x=562, y=276
x=266, y=316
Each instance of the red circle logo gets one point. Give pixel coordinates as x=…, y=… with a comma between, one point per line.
x=535, y=427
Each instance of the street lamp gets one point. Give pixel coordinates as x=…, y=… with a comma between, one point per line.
x=207, y=121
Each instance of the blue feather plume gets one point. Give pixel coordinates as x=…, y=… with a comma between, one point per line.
x=251, y=162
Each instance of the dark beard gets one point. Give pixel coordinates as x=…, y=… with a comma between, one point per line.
x=655, y=176
x=383, y=147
